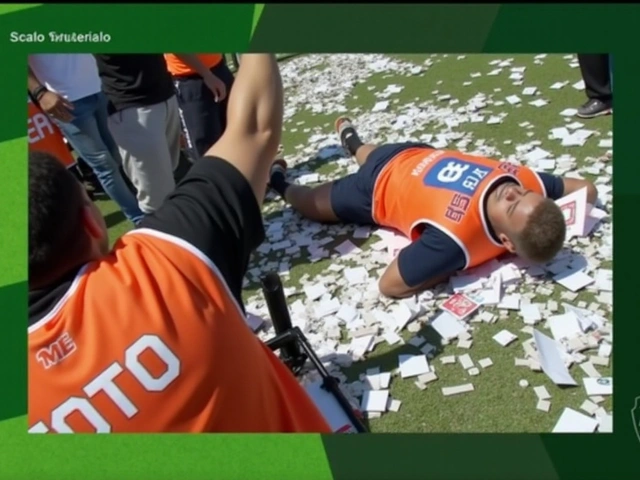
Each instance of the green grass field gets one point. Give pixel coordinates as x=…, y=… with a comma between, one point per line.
x=498, y=403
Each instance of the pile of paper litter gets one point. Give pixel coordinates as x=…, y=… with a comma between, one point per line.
x=340, y=309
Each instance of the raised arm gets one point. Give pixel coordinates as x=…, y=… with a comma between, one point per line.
x=254, y=121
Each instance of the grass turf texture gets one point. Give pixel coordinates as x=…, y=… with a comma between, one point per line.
x=498, y=403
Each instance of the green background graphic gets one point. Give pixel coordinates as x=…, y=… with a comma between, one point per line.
x=317, y=28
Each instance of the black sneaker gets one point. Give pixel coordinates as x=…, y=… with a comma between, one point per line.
x=280, y=166
x=594, y=108
x=340, y=124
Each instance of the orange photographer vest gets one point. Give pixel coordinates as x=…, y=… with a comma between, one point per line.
x=178, y=68
x=45, y=136
x=150, y=339
x=445, y=189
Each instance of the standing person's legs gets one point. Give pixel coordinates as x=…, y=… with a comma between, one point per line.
x=597, y=81
x=199, y=115
x=102, y=119
x=86, y=138
x=141, y=135
x=173, y=131
x=223, y=73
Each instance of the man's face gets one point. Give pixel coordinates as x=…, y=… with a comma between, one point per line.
x=510, y=210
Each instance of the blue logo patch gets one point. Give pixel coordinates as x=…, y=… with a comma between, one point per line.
x=457, y=175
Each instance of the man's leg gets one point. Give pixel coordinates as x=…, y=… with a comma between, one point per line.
x=351, y=141
x=199, y=115
x=348, y=199
x=597, y=81
x=173, y=131
x=223, y=73
x=141, y=135
x=102, y=121
x=85, y=137
x=313, y=203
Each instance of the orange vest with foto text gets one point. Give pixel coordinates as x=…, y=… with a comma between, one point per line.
x=151, y=340
x=45, y=136
x=445, y=189
x=178, y=68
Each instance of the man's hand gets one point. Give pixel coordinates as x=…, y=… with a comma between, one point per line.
x=56, y=106
x=214, y=84
x=217, y=86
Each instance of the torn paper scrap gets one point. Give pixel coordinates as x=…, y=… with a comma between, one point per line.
x=598, y=386
x=574, y=208
x=447, y=326
x=572, y=421
x=551, y=359
x=413, y=365
x=448, y=391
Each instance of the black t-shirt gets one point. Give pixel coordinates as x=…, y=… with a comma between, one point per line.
x=214, y=209
x=134, y=80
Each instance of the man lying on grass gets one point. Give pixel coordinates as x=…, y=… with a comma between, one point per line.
x=459, y=210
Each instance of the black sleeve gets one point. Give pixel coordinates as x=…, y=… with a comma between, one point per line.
x=214, y=209
x=553, y=184
x=431, y=255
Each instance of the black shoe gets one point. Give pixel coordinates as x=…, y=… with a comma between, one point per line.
x=280, y=166
x=594, y=108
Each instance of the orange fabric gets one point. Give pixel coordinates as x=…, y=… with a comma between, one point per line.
x=177, y=67
x=445, y=189
x=45, y=136
x=150, y=340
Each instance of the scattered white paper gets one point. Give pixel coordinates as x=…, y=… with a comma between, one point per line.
x=505, y=338
x=572, y=421
x=551, y=360
x=598, y=386
x=541, y=392
x=574, y=208
x=564, y=326
x=375, y=400
x=447, y=326
x=413, y=365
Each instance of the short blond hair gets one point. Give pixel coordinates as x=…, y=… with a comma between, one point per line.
x=544, y=234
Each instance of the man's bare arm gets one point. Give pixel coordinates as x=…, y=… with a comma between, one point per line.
x=392, y=285
x=254, y=121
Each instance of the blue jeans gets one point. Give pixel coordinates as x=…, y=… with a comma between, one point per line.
x=89, y=136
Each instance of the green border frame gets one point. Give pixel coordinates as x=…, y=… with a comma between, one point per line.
x=496, y=28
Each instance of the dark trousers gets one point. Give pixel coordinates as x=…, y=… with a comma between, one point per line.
x=203, y=120
x=595, y=70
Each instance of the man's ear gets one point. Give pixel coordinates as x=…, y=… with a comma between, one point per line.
x=508, y=244
x=91, y=226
